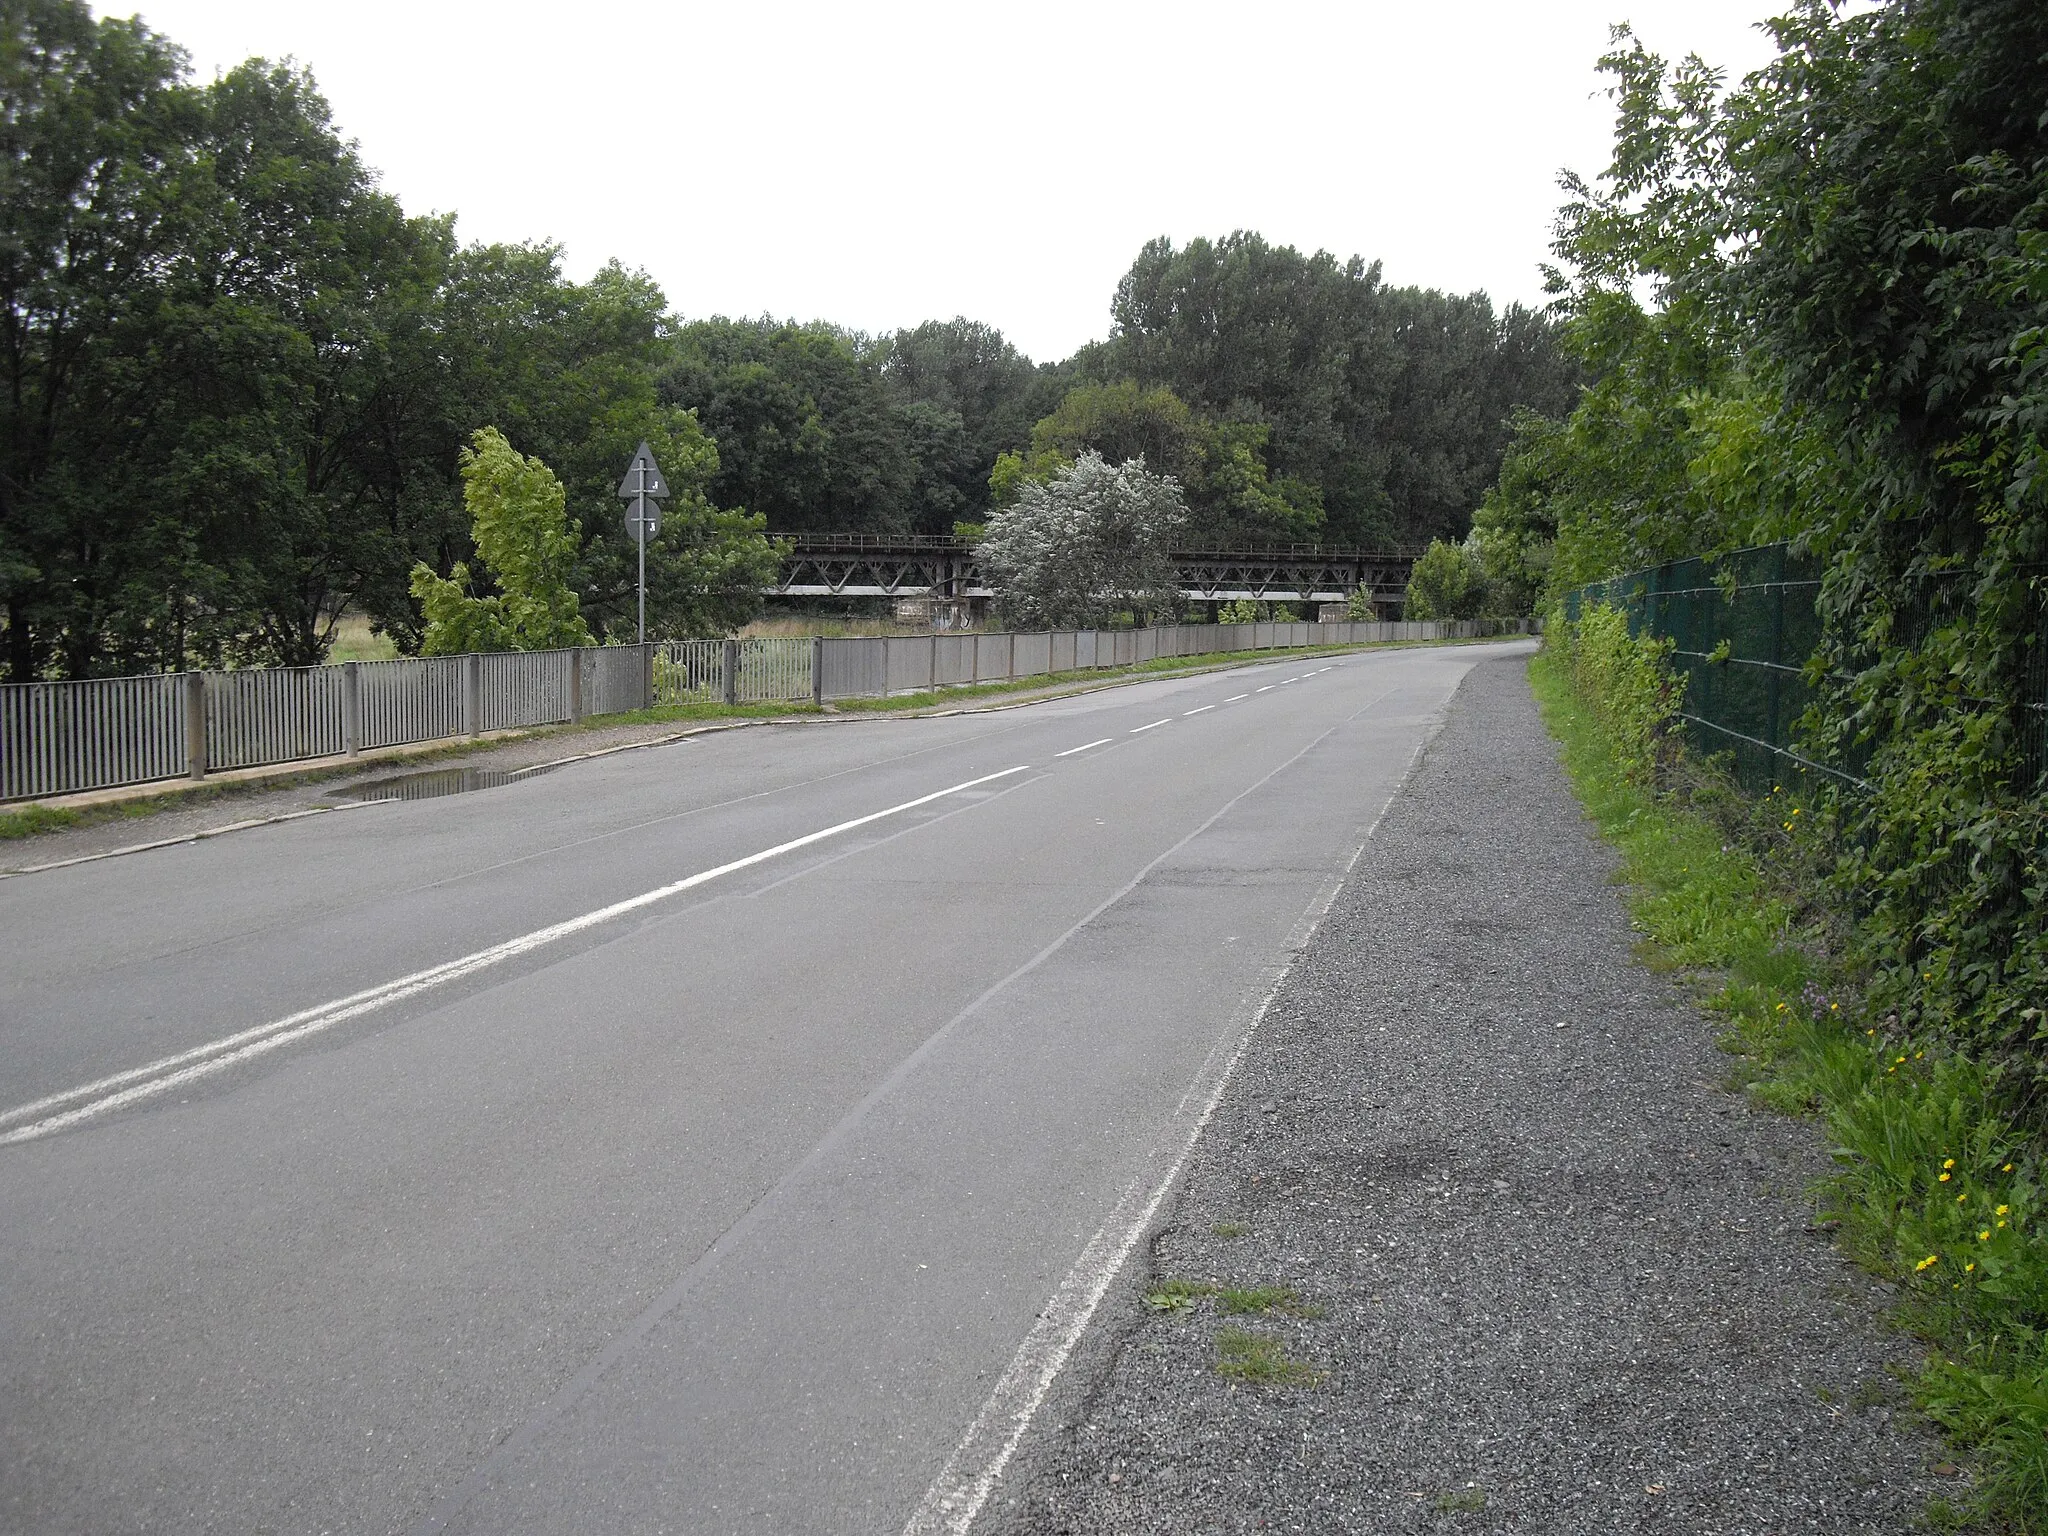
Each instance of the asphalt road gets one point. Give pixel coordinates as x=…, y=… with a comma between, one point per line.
x=682, y=1141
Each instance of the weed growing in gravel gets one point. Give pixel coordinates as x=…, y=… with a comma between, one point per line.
x=1461, y=1501
x=1177, y=1295
x=1259, y=1358
x=1253, y=1300
x=1936, y=1188
x=1229, y=1229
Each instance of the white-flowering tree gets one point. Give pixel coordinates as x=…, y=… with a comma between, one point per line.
x=1086, y=545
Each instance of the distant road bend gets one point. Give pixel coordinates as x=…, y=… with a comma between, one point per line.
x=730, y=1136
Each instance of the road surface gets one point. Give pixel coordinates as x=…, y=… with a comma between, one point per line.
x=719, y=1137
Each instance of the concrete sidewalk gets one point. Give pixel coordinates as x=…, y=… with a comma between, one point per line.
x=1547, y=1276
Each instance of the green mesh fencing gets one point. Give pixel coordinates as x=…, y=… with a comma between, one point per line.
x=1743, y=627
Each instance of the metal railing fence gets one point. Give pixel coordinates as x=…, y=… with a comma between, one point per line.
x=62, y=738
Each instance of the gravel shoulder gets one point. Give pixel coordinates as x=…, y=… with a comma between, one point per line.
x=1558, y=1280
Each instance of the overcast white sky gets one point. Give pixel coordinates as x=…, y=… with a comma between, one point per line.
x=877, y=164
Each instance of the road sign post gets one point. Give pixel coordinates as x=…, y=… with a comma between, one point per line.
x=643, y=490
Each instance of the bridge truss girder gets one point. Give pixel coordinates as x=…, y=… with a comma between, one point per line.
x=922, y=567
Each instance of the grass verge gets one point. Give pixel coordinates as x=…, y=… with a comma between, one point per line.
x=1935, y=1189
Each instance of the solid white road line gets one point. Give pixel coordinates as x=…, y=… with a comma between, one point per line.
x=965, y=1469
x=1152, y=727
x=202, y=1060
x=1202, y=711
x=972, y=1471
x=1085, y=746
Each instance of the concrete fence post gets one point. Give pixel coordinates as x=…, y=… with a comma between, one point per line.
x=351, y=709
x=473, y=694
x=732, y=671
x=195, y=724
x=817, y=672
x=576, y=687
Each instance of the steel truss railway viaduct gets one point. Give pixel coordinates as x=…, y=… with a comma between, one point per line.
x=945, y=572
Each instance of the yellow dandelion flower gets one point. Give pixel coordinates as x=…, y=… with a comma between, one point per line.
x=2006, y=1169
x=1947, y=1162
x=1944, y=1178
x=1962, y=1197
x=1968, y=1267
x=2002, y=1210
x=1984, y=1236
x=1929, y=1262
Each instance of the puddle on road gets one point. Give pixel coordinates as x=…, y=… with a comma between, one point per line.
x=432, y=783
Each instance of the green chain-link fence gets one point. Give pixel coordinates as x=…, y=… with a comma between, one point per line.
x=1743, y=627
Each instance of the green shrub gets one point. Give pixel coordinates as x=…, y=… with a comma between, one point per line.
x=1448, y=582
x=1626, y=683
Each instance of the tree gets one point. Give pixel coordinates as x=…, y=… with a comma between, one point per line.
x=300, y=422
x=1447, y=582
x=1220, y=464
x=981, y=396
x=1515, y=528
x=1391, y=403
x=1087, y=544
x=527, y=546
x=807, y=433
x=95, y=165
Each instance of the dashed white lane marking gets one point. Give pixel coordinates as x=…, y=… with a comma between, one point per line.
x=1235, y=697
x=1267, y=689
x=123, y=1088
x=1202, y=711
x=1084, y=747
x=1152, y=727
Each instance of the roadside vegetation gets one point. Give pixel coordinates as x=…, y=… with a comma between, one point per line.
x=1938, y=1182
x=1812, y=307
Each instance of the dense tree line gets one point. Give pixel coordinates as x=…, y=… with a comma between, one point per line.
x=239, y=378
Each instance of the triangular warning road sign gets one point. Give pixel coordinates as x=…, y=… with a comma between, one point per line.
x=643, y=476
